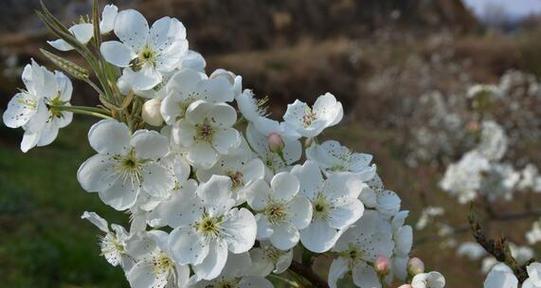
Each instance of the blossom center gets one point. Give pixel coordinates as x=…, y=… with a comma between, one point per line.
x=130, y=168
x=275, y=212
x=352, y=253
x=209, y=226
x=146, y=56
x=237, y=178
x=321, y=207
x=204, y=132
x=162, y=263
x=309, y=117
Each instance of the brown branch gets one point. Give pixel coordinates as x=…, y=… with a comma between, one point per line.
x=308, y=274
x=499, y=248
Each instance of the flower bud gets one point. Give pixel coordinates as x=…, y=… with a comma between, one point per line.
x=276, y=144
x=381, y=265
x=151, y=112
x=415, y=266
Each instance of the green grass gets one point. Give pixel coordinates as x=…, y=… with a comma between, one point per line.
x=43, y=241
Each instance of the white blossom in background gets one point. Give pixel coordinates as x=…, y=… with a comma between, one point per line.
x=464, y=178
x=534, y=234
x=267, y=259
x=493, y=142
x=310, y=121
x=472, y=250
x=146, y=54
x=427, y=215
x=33, y=108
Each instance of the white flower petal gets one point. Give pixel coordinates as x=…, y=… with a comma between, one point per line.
x=310, y=178
x=258, y=195
x=319, y=236
x=284, y=186
x=131, y=28
x=30, y=140
x=215, y=261
x=121, y=195
x=299, y=211
x=108, y=17
x=109, y=137
x=285, y=236
x=222, y=115
x=365, y=276
x=21, y=108
x=96, y=173
x=264, y=229
x=157, y=180
x=60, y=45
x=116, y=53
x=343, y=216
x=201, y=154
x=97, y=220
x=144, y=79
x=339, y=268
x=82, y=32
x=240, y=228
x=142, y=275
x=187, y=247
x=216, y=194
x=149, y=144
x=225, y=140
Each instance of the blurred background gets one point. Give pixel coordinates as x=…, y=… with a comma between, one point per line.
x=399, y=67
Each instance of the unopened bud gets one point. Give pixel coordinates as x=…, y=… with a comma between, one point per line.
x=276, y=144
x=381, y=265
x=415, y=266
x=151, y=112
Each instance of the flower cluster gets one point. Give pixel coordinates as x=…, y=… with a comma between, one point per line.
x=219, y=194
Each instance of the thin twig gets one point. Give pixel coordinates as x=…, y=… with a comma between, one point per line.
x=308, y=274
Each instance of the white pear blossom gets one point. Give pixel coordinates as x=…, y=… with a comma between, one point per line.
x=334, y=202
x=126, y=165
x=464, y=178
x=34, y=109
x=241, y=166
x=332, y=157
x=493, y=142
x=428, y=280
x=187, y=86
x=154, y=265
x=113, y=243
x=207, y=132
x=84, y=31
x=309, y=122
x=236, y=274
x=358, y=249
x=251, y=108
x=146, y=54
x=210, y=228
x=281, y=210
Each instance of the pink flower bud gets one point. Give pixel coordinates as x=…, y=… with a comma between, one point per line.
x=382, y=265
x=276, y=144
x=415, y=266
x=151, y=112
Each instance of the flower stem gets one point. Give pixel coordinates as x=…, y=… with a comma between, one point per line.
x=91, y=111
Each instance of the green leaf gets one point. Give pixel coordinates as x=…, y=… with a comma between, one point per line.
x=69, y=67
